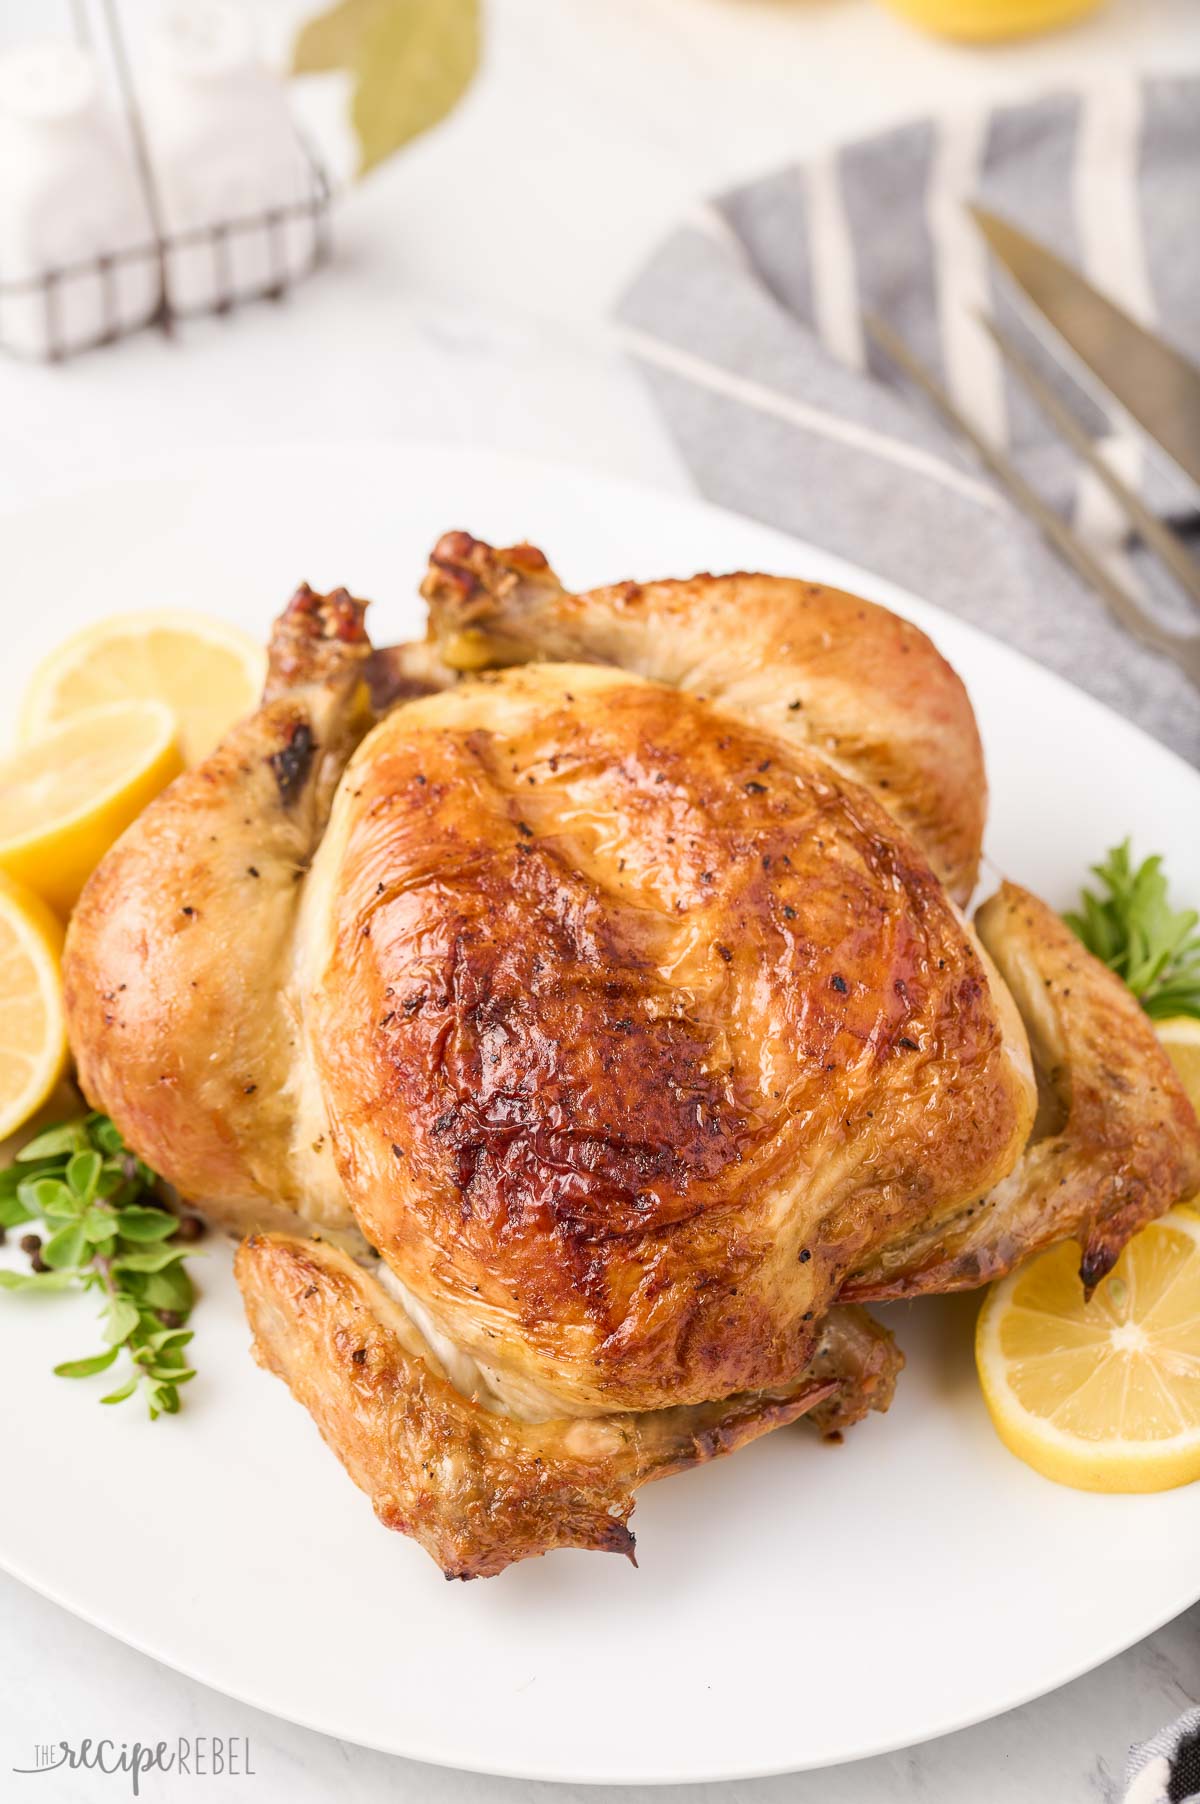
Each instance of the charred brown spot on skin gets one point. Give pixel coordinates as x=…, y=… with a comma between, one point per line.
x=292, y=762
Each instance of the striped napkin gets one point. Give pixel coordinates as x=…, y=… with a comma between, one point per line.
x=1166, y=1769
x=747, y=323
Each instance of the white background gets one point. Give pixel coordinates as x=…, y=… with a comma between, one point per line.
x=468, y=304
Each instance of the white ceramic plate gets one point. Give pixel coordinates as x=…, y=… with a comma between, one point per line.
x=795, y=1605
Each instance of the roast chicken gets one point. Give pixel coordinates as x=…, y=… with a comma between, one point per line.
x=576, y=1015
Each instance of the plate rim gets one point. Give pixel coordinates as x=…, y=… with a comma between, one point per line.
x=555, y=1775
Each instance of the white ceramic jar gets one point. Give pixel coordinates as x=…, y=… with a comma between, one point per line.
x=69, y=196
x=224, y=149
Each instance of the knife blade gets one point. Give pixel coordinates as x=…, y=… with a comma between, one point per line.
x=1156, y=385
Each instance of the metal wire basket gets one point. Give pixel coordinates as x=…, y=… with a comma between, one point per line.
x=49, y=290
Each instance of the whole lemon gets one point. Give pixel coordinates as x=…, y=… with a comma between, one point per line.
x=983, y=19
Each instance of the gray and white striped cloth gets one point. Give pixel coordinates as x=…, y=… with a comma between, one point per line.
x=1166, y=1769
x=748, y=325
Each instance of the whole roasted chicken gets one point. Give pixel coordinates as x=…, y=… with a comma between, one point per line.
x=577, y=1015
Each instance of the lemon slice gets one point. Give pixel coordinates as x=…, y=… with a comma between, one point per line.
x=33, y=1029
x=1103, y=1395
x=207, y=672
x=66, y=798
x=1180, y=1037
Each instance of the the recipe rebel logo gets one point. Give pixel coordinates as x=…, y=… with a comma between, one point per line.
x=194, y=1757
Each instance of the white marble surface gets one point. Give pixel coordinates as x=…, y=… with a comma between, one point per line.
x=467, y=304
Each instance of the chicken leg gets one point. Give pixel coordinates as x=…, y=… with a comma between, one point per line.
x=479, y=1489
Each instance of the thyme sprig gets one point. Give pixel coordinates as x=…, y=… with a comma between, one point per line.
x=108, y=1231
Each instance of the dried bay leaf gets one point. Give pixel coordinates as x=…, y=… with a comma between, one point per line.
x=412, y=61
x=333, y=40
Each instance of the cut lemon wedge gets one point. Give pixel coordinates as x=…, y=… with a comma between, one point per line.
x=207, y=672
x=1103, y=1395
x=33, y=1031
x=66, y=798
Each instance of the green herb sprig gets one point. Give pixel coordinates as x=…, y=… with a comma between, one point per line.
x=1133, y=928
x=107, y=1231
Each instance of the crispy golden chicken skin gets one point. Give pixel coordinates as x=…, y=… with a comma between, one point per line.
x=613, y=1010
x=822, y=669
x=639, y=1030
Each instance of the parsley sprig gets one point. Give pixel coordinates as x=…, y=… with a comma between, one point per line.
x=108, y=1231
x=1133, y=928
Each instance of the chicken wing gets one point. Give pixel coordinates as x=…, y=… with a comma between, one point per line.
x=1117, y=1141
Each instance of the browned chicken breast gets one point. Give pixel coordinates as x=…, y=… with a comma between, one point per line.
x=614, y=1018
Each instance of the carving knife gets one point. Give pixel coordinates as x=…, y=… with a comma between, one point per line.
x=1156, y=385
